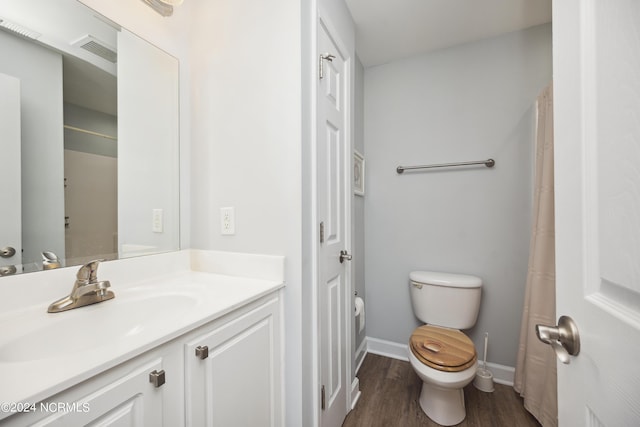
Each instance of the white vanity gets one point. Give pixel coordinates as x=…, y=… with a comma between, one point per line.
x=191, y=338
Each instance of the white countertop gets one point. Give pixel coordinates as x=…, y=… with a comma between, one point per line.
x=43, y=353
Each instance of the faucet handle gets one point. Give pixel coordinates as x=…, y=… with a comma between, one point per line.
x=89, y=272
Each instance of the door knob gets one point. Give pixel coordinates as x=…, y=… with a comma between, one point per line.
x=564, y=338
x=8, y=270
x=7, y=252
x=345, y=255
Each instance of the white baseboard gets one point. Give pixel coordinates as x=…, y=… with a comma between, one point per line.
x=388, y=349
x=501, y=374
x=355, y=392
x=361, y=352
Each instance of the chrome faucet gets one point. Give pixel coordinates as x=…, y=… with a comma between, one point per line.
x=86, y=290
x=50, y=261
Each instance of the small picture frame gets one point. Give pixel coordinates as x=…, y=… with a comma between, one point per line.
x=358, y=173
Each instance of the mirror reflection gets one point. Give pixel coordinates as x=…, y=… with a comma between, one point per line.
x=89, y=118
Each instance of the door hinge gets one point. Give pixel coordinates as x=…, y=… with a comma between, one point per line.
x=322, y=232
x=322, y=398
x=324, y=56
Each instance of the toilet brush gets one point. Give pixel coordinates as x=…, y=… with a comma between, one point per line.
x=486, y=346
x=484, y=377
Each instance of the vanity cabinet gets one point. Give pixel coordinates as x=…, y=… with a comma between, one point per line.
x=236, y=381
x=232, y=373
x=123, y=396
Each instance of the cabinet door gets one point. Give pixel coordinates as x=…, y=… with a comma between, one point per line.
x=238, y=381
x=130, y=400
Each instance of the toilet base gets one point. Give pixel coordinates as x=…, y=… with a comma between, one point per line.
x=445, y=406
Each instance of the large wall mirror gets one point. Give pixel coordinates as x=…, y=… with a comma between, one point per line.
x=89, y=139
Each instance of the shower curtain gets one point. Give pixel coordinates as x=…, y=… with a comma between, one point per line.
x=535, y=376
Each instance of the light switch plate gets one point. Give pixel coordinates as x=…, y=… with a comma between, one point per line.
x=227, y=221
x=157, y=221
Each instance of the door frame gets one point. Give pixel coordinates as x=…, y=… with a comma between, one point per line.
x=321, y=17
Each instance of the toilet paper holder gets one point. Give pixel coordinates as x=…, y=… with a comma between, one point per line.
x=359, y=312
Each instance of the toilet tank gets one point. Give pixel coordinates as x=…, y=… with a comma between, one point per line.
x=445, y=299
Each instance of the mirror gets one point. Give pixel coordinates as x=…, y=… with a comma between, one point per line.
x=90, y=145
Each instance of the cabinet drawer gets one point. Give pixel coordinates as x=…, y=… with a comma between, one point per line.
x=128, y=399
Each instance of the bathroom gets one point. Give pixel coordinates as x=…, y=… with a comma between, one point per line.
x=246, y=68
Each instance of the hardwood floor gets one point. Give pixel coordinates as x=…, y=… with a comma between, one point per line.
x=390, y=390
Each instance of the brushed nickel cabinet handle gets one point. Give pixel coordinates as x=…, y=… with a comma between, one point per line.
x=202, y=352
x=157, y=378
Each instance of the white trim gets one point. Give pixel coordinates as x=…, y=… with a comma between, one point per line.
x=361, y=352
x=388, y=349
x=355, y=392
x=501, y=374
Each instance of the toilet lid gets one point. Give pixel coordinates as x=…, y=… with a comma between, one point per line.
x=442, y=348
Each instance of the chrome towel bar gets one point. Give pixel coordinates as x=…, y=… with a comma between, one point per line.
x=488, y=163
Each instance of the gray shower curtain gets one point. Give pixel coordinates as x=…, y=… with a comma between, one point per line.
x=535, y=376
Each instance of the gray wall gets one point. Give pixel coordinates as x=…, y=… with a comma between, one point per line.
x=40, y=73
x=468, y=102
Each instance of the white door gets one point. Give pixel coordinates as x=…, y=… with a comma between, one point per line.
x=11, y=216
x=333, y=161
x=597, y=162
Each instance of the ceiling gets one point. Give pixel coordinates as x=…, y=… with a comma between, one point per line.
x=89, y=80
x=387, y=30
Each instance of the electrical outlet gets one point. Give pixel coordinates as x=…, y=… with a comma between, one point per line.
x=227, y=221
x=157, y=221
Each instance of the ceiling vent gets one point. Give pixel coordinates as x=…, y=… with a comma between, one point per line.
x=19, y=29
x=97, y=47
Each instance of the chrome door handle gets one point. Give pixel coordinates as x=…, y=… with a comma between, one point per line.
x=345, y=255
x=324, y=57
x=8, y=270
x=564, y=338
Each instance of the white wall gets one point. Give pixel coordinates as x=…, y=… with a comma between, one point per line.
x=40, y=73
x=469, y=102
x=170, y=34
x=246, y=126
x=148, y=174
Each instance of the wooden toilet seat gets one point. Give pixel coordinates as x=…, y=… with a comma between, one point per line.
x=443, y=349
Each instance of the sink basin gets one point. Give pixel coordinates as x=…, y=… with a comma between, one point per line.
x=95, y=326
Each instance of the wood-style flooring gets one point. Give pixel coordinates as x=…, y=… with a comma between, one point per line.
x=390, y=391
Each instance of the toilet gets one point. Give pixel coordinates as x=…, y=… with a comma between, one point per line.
x=444, y=358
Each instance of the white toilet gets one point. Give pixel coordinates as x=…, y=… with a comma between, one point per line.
x=442, y=356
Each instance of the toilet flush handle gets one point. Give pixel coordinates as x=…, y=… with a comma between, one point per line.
x=563, y=338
